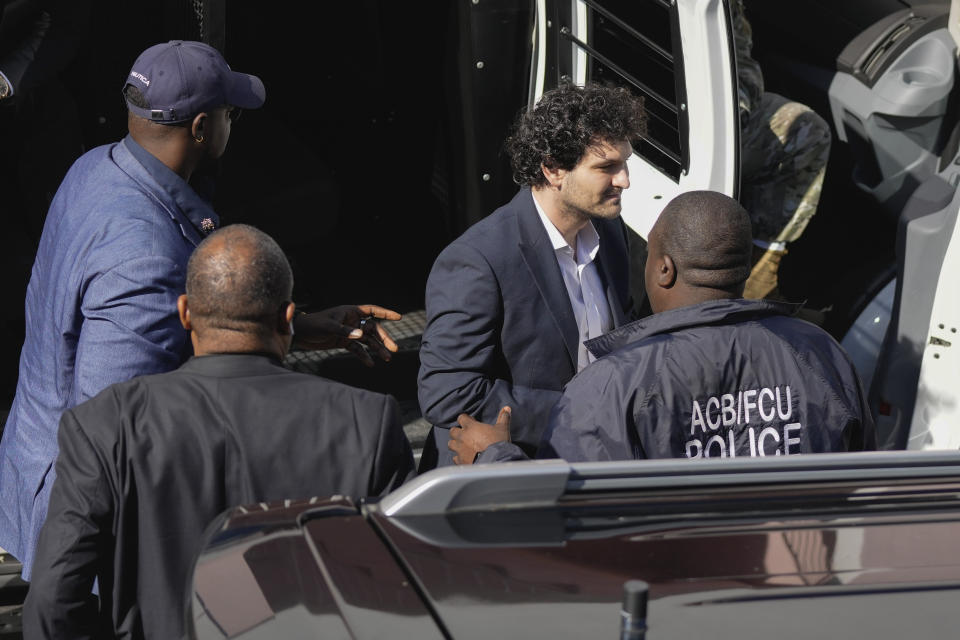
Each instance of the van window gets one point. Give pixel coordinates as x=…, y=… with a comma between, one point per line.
x=630, y=43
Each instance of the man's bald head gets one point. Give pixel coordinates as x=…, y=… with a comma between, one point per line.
x=239, y=280
x=706, y=239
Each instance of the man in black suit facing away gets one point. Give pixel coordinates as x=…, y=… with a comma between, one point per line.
x=145, y=465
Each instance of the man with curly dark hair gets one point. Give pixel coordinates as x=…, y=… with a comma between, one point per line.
x=511, y=301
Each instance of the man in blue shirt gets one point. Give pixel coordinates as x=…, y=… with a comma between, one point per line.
x=112, y=261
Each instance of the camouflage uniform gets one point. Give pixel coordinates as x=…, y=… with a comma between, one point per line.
x=784, y=148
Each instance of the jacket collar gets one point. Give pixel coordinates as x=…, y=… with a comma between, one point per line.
x=233, y=365
x=540, y=258
x=715, y=312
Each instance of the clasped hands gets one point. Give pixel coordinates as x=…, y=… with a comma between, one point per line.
x=472, y=437
x=351, y=327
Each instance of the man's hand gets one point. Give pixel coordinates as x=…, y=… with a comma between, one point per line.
x=350, y=327
x=472, y=437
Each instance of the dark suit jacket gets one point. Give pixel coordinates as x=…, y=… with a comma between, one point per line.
x=500, y=326
x=146, y=465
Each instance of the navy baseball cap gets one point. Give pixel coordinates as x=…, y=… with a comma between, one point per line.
x=181, y=78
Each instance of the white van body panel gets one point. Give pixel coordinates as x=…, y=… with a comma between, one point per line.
x=937, y=410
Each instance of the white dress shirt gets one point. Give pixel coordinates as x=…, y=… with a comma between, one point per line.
x=584, y=287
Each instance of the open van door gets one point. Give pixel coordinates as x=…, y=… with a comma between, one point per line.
x=895, y=101
x=678, y=55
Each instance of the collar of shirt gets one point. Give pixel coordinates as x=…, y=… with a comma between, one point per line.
x=190, y=203
x=588, y=240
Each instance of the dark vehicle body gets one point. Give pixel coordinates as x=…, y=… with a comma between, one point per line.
x=835, y=545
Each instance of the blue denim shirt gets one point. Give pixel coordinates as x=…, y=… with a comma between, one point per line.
x=100, y=309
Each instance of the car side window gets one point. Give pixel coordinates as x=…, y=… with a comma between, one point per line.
x=629, y=43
